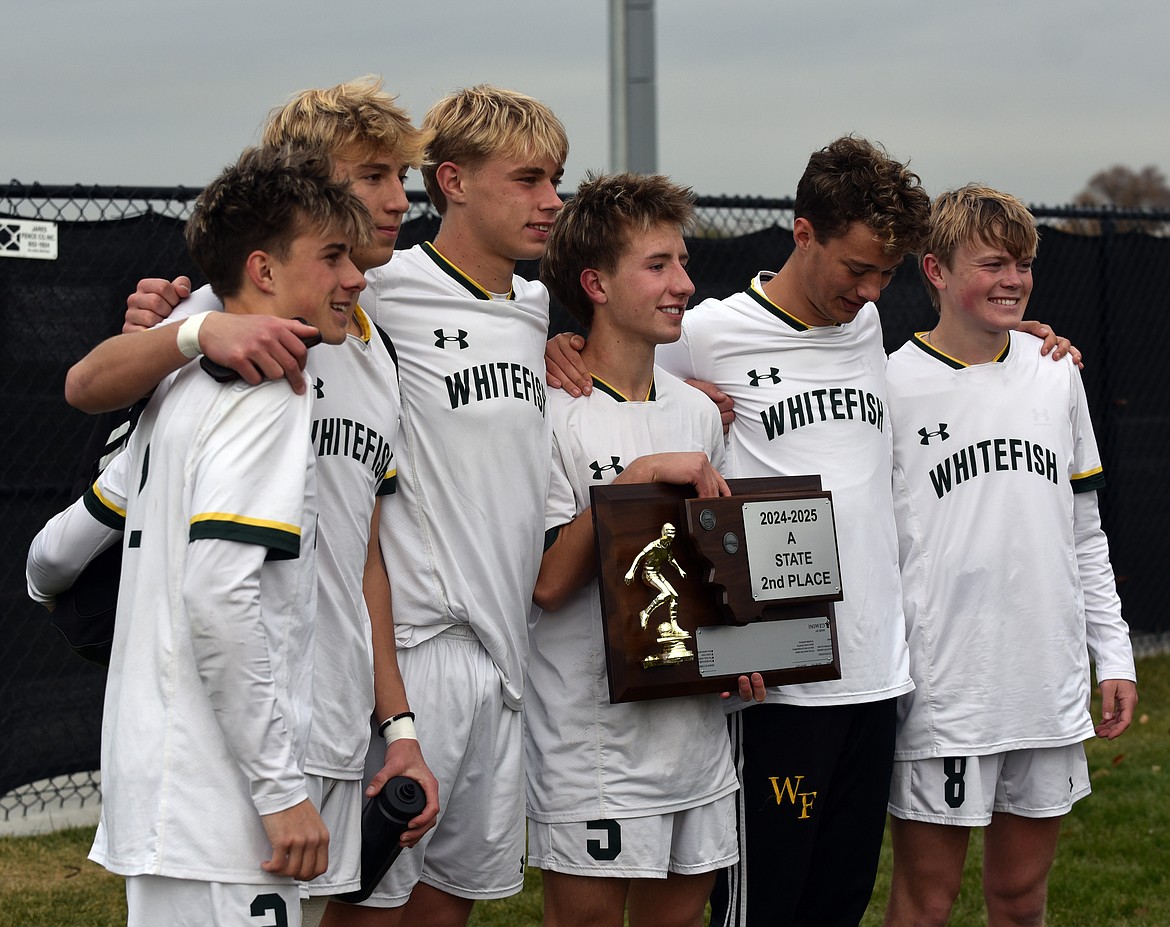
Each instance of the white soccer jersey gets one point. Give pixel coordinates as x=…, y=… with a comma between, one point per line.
x=987, y=459
x=812, y=400
x=354, y=431
x=463, y=534
x=587, y=758
x=207, y=706
x=354, y=387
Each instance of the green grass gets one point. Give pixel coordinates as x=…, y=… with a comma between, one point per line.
x=1112, y=862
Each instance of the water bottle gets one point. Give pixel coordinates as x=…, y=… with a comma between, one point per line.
x=384, y=818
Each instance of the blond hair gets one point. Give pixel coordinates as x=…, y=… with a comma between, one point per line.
x=356, y=120
x=472, y=125
x=973, y=214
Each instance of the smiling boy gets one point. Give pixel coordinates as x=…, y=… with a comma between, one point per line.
x=462, y=537
x=464, y=540
x=801, y=353
x=207, y=709
x=1008, y=588
x=650, y=782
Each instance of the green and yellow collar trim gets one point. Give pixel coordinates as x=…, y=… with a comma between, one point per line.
x=606, y=388
x=459, y=276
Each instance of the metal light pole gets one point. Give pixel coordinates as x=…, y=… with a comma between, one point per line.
x=633, y=109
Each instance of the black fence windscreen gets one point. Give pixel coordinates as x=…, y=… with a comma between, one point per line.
x=1106, y=291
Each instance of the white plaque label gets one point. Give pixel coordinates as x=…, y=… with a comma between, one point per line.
x=763, y=645
x=792, y=549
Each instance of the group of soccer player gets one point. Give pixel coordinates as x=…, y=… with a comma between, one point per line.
x=425, y=559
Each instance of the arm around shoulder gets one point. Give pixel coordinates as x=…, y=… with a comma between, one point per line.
x=117, y=373
x=123, y=369
x=563, y=366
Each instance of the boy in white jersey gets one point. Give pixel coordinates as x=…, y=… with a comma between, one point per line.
x=801, y=354
x=207, y=709
x=355, y=423
x=463, y=535
x=1007, y=584
x=627, y=803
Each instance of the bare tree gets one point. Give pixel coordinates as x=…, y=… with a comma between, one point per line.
x=1123, y=188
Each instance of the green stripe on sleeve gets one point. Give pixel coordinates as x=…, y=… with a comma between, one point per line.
x=282, y=545
x=103, y=510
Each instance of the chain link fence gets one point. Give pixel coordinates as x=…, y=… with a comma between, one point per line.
x=69, y=256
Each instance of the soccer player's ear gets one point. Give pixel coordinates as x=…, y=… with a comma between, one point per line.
x=932, y=270
x=802, y=233
x=449, y=178
x=593, y=285
x=261, y=270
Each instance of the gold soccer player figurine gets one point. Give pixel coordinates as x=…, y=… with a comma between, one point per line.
x=653, y=557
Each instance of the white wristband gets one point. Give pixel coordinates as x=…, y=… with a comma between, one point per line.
x=188, y=337
x=401, y=729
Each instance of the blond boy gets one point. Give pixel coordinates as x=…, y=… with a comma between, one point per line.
x=463, y=535
x=1007, y=586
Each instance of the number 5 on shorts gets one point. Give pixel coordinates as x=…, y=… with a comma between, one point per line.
x=613, y=840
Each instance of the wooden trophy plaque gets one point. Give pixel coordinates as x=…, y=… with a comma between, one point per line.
x=697, y=592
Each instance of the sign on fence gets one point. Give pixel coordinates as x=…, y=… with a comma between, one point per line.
x=28, y=238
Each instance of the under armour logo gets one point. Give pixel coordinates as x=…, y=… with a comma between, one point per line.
x=441, y=338
x=773, y=375
x=941, y=433
x=598, y=469
x=318, y=388
x=1040, y=416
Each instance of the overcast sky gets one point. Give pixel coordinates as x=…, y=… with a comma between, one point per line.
x=1033, y=97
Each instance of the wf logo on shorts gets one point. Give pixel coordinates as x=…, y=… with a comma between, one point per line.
x=790, y=792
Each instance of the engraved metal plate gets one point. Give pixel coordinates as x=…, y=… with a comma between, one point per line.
x=724, y=650
x=791, y=548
